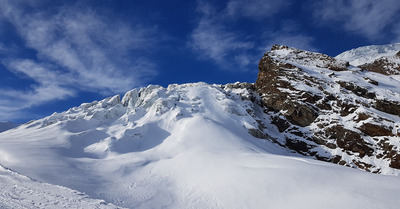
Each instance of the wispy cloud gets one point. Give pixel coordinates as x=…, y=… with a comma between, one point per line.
x=214, y=38
x=76, y=49
x=14, y=102
x=364, y=17
x=50, y=85
x=211, y=39
x=289, y=35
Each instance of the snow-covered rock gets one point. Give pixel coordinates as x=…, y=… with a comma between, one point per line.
x=346, y=116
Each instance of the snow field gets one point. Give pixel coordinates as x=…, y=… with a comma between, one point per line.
x=185, y=146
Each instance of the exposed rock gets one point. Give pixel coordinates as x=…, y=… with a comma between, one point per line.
x=302, y=115
x=349, y=140
x=387, y=106
x=362, y=116
x=258, y=134
x=375, y=130
x=313, y=106
x=298, y=146
x=357, y=90
x=269, y=83
x=371, y=81
x=395, y=161
x=281, y=124
x=384, y=65
x=239, y=85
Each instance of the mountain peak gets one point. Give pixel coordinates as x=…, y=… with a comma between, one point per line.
x=296, y=56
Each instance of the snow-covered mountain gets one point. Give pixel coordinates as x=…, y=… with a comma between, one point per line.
x=237, y=145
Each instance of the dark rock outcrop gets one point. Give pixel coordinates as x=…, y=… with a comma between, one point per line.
x=391, y=107
x=384, y=65
x=314, y=103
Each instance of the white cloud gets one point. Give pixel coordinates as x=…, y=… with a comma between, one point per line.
x=216, y=38
x=365, y=17
x=49, y=86
x=89, y=46
x=289, y=35
x=211, y=39
x=77, y=49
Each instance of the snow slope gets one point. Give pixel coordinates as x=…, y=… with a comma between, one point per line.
x=185, y=146
x=368, y=54
x=19, y=191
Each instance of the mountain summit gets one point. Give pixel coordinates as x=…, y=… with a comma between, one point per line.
x=240, y=145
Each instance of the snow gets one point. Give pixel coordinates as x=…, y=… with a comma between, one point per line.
x=368, y=54
x=185, y=146
x=298, y=57
x=18, y=191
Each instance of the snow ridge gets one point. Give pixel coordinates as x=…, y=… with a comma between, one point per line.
x=368, y=54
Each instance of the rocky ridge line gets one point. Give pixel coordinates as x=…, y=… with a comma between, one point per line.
x=331, y=110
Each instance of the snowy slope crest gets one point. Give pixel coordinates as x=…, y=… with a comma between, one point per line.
x=156, y=103
x=368, y=54
x=145, y=117
x=305, y=58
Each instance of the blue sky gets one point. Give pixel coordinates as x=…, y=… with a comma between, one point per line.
x=58, y=54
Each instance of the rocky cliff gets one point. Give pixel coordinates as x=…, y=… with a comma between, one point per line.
x=327, y=108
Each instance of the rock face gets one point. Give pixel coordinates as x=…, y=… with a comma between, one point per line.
x=389, y=65
x=326, y=108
